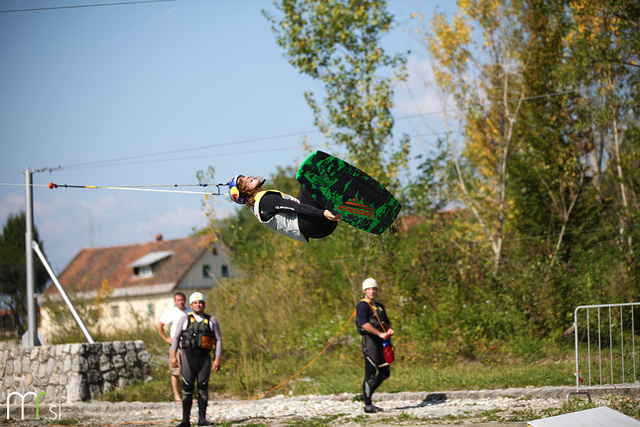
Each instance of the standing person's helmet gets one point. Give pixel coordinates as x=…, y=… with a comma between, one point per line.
x=196, y=296
x=369, y=283
x=234, y=193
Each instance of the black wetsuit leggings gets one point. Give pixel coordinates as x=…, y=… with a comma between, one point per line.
x=196, y=366
x=374, y=375
x=314, y=228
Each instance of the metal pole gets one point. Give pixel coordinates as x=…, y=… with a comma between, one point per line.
x=36, y=248
x=31, y=301
x=575, y=331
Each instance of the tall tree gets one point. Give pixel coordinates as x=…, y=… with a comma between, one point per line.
x=13, y=270
x=552, y=165
x=338, y=43
x=603, y=41
x=477, y=61
x=576, y=124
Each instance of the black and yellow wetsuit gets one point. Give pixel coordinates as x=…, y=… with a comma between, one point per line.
x=311, y=221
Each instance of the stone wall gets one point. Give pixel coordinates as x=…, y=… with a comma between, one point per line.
x=71, y=372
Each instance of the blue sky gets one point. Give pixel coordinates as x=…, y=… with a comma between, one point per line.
x=163, y=89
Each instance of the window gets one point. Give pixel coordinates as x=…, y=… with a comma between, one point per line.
x=206, y=271
x=225, y=271
x=146, y=271
x=115, y=311
x=145, y=267
x=150, y=310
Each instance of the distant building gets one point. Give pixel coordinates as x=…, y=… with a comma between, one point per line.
x=8, y=326
x=137, y=282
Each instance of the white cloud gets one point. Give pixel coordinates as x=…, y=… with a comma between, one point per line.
x=11, y=204
x=174, y=223
x=417, y=94
x=420, y=106
x=106, y=207
x=65, y=214
x=68, y=220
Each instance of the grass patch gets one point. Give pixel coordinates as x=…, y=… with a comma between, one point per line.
x=157, y=390
x=476, y=376
x=66, y=422
x=314, y=422
x=153, y=391
x=340, y=369
x=491, y=414
x=341, y=373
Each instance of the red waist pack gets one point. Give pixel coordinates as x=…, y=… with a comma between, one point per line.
x=387, y=351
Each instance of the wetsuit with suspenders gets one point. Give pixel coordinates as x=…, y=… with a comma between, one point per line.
x=375, y=368
x=198, y=338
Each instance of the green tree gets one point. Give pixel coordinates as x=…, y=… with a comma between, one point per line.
x=477, y=62
x=551, y=170
x=338, y=43
x=573, y=171
x=603, y=40
x=13, y=270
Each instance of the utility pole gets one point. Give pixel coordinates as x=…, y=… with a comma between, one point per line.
x=91, y=233
x=31, y=300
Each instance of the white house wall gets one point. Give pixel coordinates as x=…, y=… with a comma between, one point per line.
x=195, y=279
x=133, y=313
x=140, y=307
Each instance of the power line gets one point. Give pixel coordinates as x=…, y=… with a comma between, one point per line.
x=146, y=188
x=11, y=184
x=528, y=98
x=84, y=6
x=111, y=162
x=179, y=158
x=183, y=150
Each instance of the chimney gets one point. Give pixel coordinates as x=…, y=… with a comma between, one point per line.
x=158, y=237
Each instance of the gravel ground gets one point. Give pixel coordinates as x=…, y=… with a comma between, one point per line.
x=485, y=408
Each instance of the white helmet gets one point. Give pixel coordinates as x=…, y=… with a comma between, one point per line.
x=369, y=283
x=196, y=296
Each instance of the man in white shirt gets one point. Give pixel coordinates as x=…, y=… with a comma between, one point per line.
x=170, y=319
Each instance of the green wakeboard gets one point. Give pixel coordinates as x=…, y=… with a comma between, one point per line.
x=340, y=187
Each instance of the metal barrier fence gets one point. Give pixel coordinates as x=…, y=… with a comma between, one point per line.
x=605, y=338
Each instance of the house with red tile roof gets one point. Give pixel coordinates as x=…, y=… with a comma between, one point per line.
x=137, y=282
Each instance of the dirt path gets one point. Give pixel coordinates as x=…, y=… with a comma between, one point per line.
x=487, y=408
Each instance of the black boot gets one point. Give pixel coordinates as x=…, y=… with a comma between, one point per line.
x=202, y=411
x=366, y=394
x=187, y=403
x=371, y=409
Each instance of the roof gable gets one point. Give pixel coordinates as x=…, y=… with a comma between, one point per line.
x=92, y=266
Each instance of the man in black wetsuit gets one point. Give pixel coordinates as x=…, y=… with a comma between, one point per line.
x=298, y=219
x=374, y=326
x=199, y=334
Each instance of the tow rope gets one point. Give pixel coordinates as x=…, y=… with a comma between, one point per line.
x=152, y=188
x=297, y=373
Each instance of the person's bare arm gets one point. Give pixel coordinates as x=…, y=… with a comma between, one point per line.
x=160, y=328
